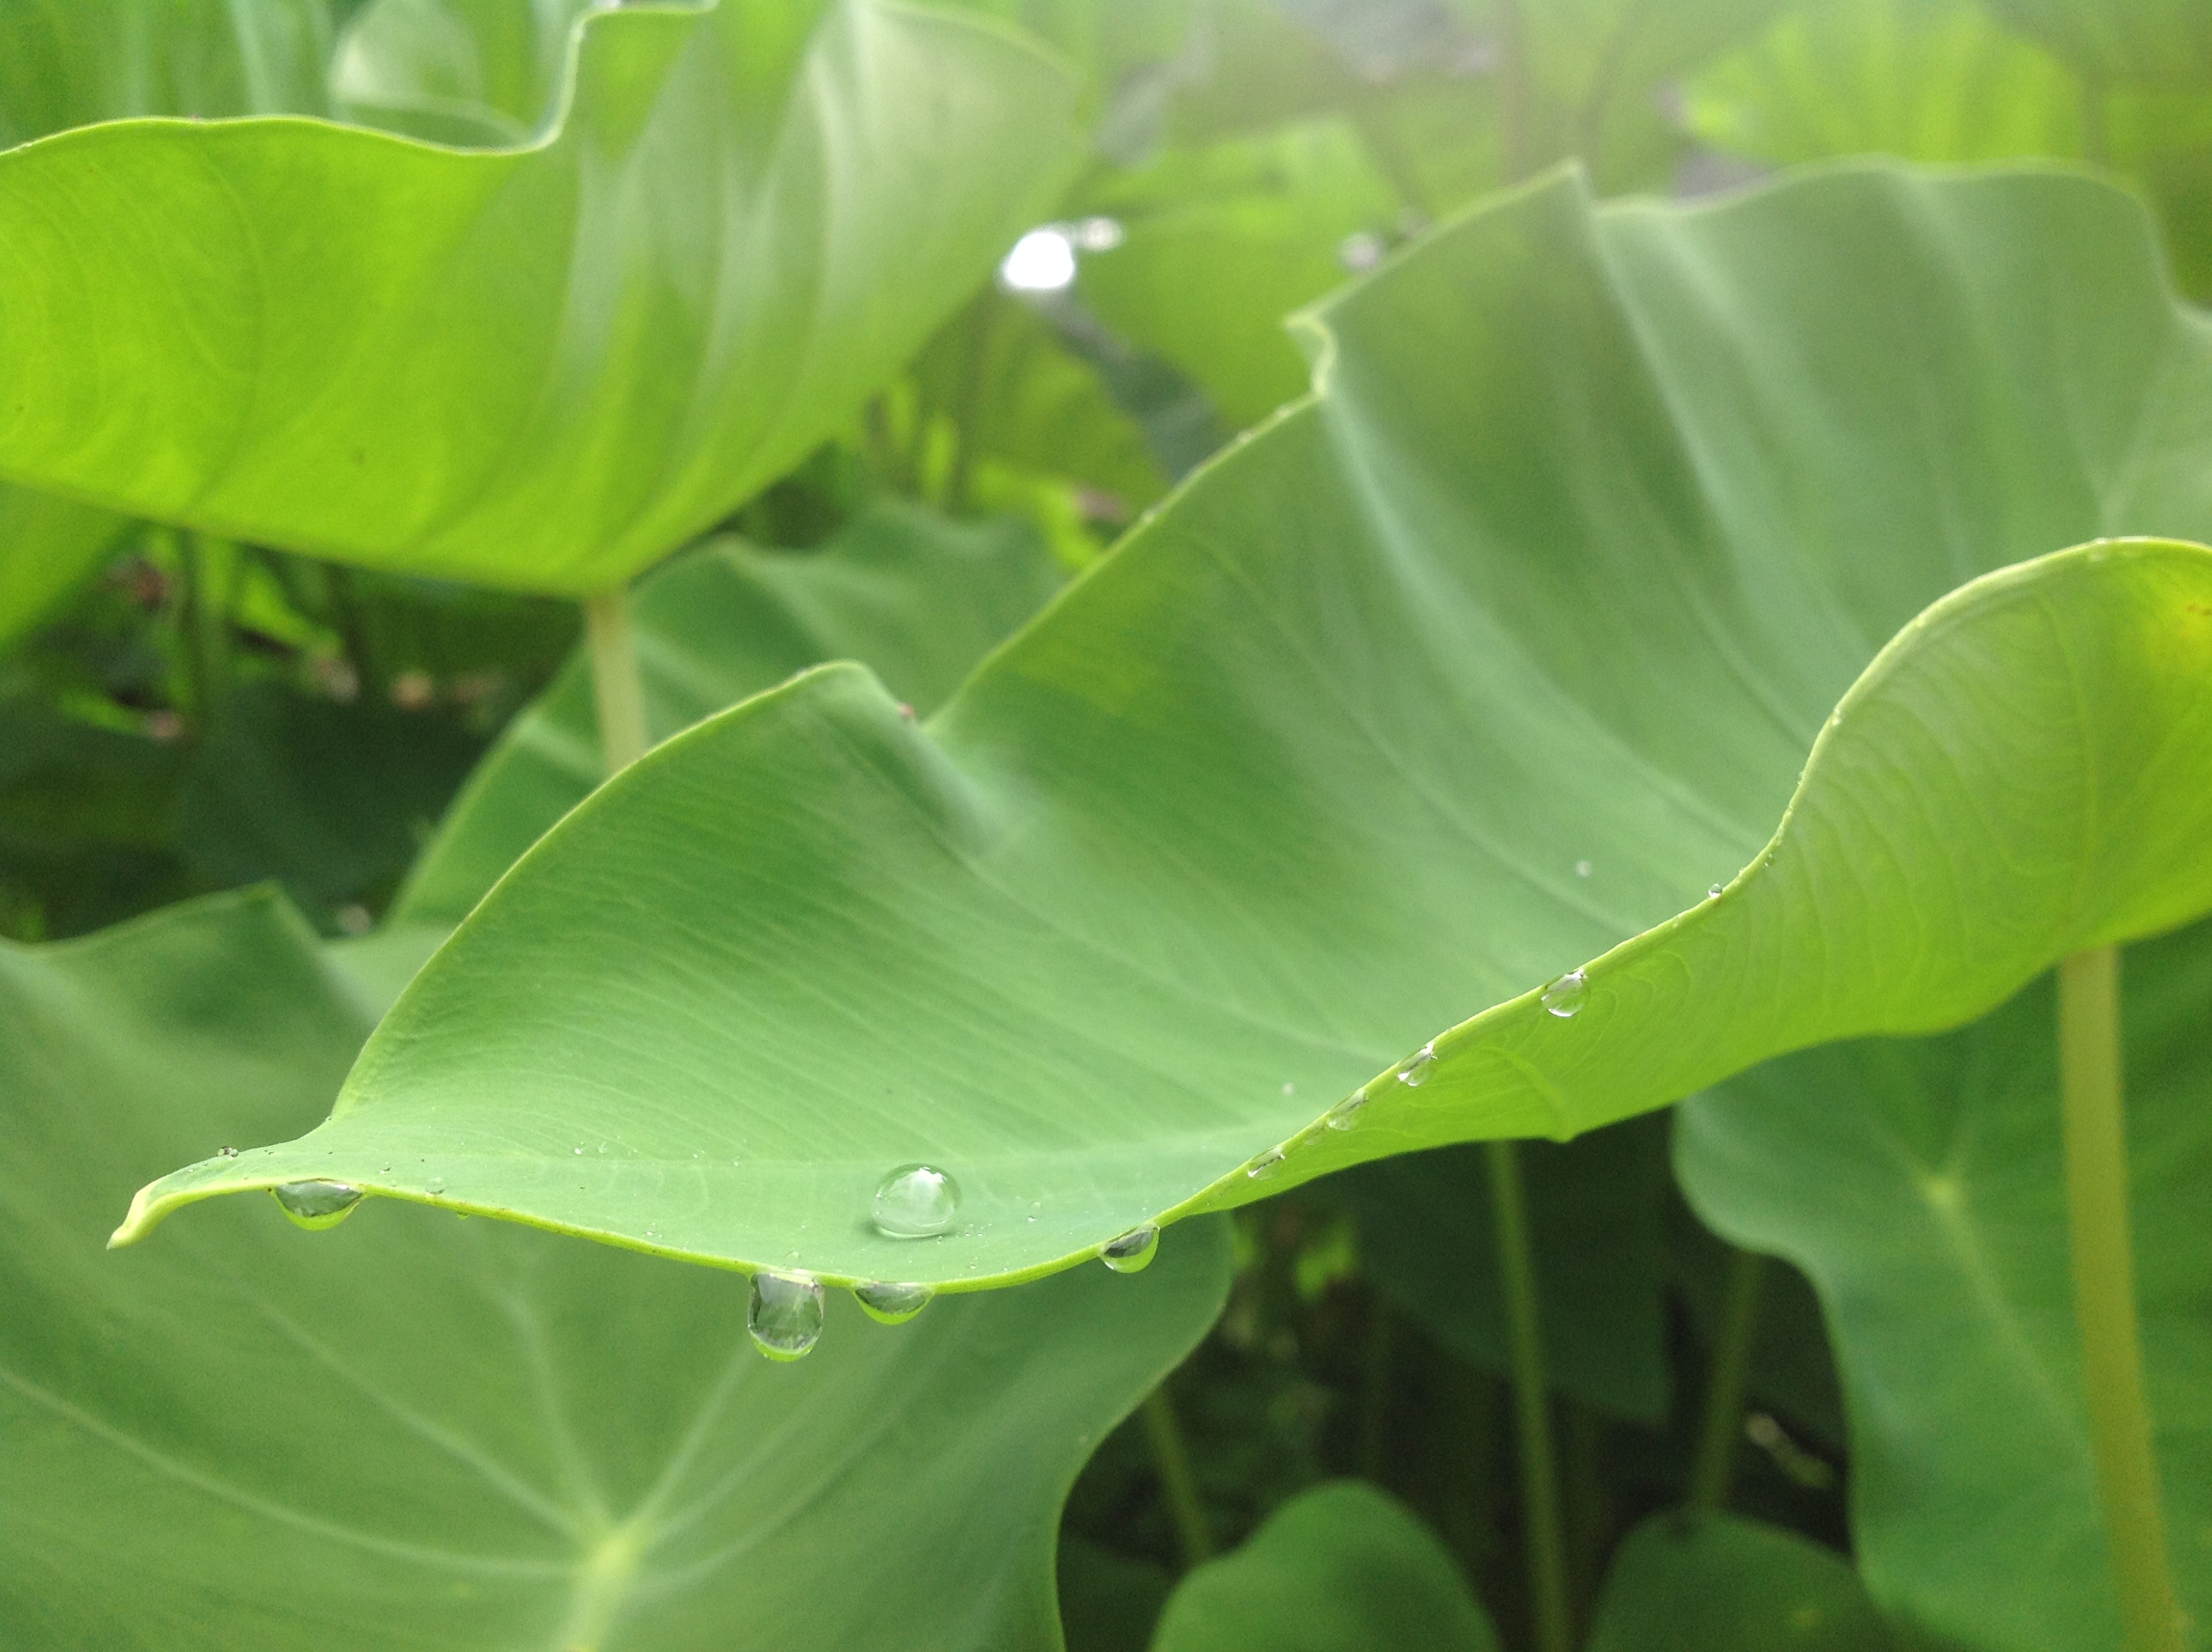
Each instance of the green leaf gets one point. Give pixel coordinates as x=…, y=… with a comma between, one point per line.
x=2158, y=42
x=466, y=72
x=1596, y=1207
x=542, y=368
x=1920, y=1185
x=919, y=597
x=1342, y=1568
x=443, y=1435
x=48, y=547
x=1715, y=1583
x=1598, y=518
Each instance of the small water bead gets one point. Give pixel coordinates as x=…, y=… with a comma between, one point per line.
x=1415, y=1072
x=785, y=1314
x=1265, y=1165
x=314, y=1205
x=1582, y=869
x=1345, y=1112
x=1714, y=893
x=1564, y=997
x=915, y=1201
x=226, y=1152
x=892, y=1304
x=1133, y=1251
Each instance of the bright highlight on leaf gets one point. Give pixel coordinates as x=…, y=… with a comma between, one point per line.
x=1310, y=769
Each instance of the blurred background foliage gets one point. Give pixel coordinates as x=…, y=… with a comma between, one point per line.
x=179, y=714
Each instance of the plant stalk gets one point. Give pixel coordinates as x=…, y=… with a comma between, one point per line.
x=1540, y=1468
x=617, y=688
x=1722, y=1430
x=2105, y=1296
x=1171, y=1458
x=1375, y=1390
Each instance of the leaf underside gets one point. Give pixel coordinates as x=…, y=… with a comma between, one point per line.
x=1480, y=666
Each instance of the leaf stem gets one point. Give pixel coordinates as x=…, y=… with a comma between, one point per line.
x=1713, y=1465
x=1540, y=1469
x=1375, y=1389
x=2105, y=1296
x=616, y=688
x=1171, y=1458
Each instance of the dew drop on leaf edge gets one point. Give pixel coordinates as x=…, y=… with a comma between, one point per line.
x=317, y=1204
x=1133, y=1252
x=1564, y=997
x=785, y=1317
x=891, y=1304
x=1415, y=1072
x=1345, y=1112
x=915, y=1201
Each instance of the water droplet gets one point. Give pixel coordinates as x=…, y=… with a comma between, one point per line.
x=226, y=1152
x=1362, y=250
x=915, y=1201
x=316, y=1204
x=892, y=1304
x=1564, y=997
x=1415, y=1072
x=1582, y=869
x=1133, y=1251
x=1345, y=1112
x=1714, y=893
x=1265, y=1166
x=579, y=1152
x=786, y=1315
x=1290, y=1089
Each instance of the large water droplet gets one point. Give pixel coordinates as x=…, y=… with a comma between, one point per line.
x=892, y=1304
x=1415, y=1072
x=1133, y=1251
x=915, y=1201
x=1345, y=1112
x=1564, y=997
x=786, y=1315
x=316, y=1204
x=1265, y=1165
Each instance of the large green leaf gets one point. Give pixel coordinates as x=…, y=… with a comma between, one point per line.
x=48, y=547
x=413, y=1432
x=1342, y=1568
x=919, y=597
x=1919, y=1184
x=543, y=368
x=2156, y=41
x=1478, y=669
x=1685, y=1584
x=457, y=71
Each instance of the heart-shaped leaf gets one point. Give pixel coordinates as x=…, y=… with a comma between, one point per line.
x=1920, y=1185
x=413, y=1432
x=543, y=368
x=1715, y=1583
x=48, y=547
x=1469, y=677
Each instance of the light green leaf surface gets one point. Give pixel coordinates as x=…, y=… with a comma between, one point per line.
x=48, y=547
x=414, y=1432
x=2159, y=42
x=919, y=597
x=1342, y=1568
x=1715, y=1583
x=464, y=71
x=1480, y=668
x=1919, y=1184
x=540, y=368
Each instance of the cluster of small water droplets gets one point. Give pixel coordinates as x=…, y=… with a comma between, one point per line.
x=1415, y=1072
x=892, y=1304
x=316, y=1204
x=1133, y=1251
x=785, y=1317
x=1564, y=997
x=915, y=1201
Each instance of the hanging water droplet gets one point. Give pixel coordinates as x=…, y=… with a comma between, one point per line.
x=786, y=1315
x=1714, y=893
x=1582, y=869
x=1345, y=1112
x=1133, y=1251
x=1415, y=1072
x=316, y=1204
x=1564, y=997
x=892, y=1304
x=1265, y=1166
x=915, y=1201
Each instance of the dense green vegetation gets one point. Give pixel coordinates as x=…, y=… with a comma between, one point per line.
x=649, y=623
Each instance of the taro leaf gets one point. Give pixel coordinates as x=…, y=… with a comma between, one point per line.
x=48, y=547
x=1683, y=1584
x=919, y=597
x=1596, y=1215
x=1480, y=667
x=472, y=1436
x=466, y=72
x=540, y=368
x=1342, y=1568
x=1919, y=1184
x=2159, y=42
x=63, y=62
